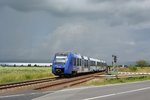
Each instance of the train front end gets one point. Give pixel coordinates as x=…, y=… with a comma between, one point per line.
x=61, y=64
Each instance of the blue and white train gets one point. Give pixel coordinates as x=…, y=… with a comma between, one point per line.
x=71, y=63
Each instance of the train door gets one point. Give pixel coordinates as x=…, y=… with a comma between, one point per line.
x=74, y=65
x=80, y=67
x=97, y=66
x=82, y=64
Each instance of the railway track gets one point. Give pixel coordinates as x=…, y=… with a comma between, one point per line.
x=69, y=82
x=10, y=87
x=54, y=83
x=24, y=83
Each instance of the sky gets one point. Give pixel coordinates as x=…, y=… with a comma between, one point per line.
x=34, y=30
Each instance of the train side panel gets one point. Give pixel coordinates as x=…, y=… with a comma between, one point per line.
x=69, y=65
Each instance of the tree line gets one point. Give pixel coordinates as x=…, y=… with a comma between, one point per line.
x=142, y=63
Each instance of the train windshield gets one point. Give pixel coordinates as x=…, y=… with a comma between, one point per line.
x=60, y=59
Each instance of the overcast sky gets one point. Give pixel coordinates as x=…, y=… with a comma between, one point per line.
x=34, y=30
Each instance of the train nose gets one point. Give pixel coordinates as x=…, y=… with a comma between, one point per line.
x=59, y=70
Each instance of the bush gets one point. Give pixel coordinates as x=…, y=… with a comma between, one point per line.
x=142, y=63
x=133, y=68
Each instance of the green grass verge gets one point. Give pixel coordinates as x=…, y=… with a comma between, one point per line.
x=16, y=74
x=119, y=80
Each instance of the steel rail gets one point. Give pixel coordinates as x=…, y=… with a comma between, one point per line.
x=24, y=83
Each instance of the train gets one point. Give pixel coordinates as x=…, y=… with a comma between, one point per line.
x=69, y=63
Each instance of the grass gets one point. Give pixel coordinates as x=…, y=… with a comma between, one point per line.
x=119, y=80
x=135, y=69
x=103, y=81
x=16, y=74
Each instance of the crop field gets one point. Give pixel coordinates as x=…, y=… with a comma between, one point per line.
x=135, y=69
x=16, y=74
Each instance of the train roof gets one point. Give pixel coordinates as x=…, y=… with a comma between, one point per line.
x=62, y=53
x=92, y=59
x=84, y=57
x=79, y=56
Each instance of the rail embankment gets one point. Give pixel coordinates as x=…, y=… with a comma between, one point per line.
x=124, y=75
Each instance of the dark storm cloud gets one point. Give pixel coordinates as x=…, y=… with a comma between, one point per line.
x=33, y=30
x=116, y=11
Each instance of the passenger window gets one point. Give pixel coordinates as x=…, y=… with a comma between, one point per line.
x=74, y=61
x=78, y=62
